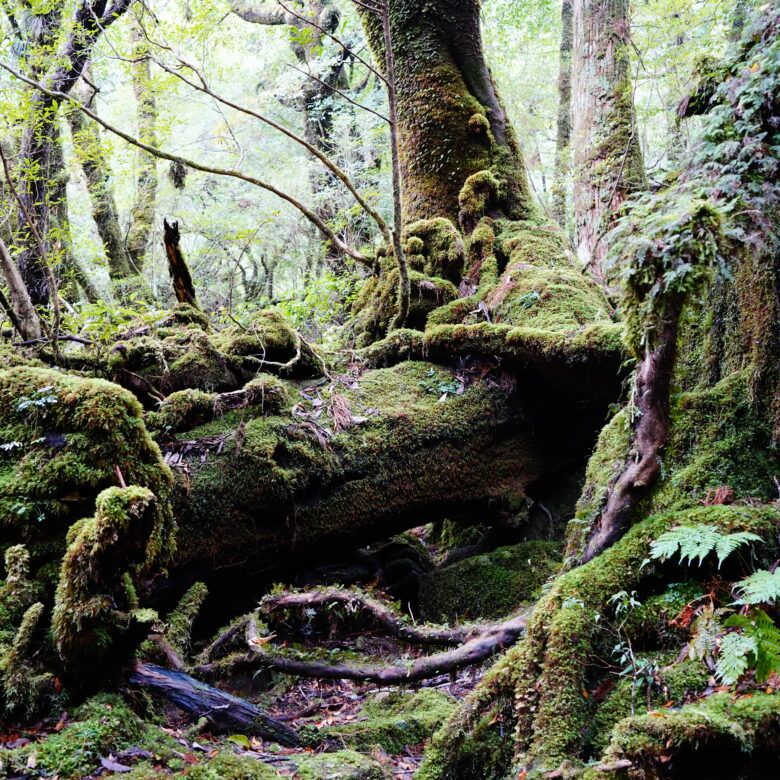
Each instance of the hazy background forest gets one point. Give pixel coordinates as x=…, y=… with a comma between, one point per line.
x=244, y=245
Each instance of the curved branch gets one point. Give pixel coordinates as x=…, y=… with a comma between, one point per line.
x=259, y=12
x=195, y=165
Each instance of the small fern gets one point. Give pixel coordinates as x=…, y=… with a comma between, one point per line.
x=756, y=645
x=761, y=587
x=705, y=631
x=693, y=542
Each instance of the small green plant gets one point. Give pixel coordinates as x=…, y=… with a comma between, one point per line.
x=761, y=587
x=693, y=542
x=756, y=645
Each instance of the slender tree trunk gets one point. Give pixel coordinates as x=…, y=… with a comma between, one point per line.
x=563, y=138
x=452, y=126
x=67, y=65
x=608, y=162
x=88, y=144
x=140, y=232
x=27, y=321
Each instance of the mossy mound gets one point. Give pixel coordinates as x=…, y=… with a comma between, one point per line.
x=728, y=726
x=396, y=720
x=64, y=438
x=490, y=585
x=186, y=409
x=101, y=726
x=342, y=765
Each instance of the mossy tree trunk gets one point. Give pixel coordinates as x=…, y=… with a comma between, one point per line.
x=608, y=163
x=452, y=125
x=141, y=229
x=563, y=137
x=88, y=144
x=61, y=73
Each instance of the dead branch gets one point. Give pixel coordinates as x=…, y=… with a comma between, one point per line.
x=224, y=711
x=181, y=278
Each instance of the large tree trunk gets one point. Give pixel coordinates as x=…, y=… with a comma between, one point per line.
x=608, y=162
x=452, y=125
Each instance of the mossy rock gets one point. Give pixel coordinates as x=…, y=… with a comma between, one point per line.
x=395, y=720
x=101, y=726
x=342, y=765
x=489, y=585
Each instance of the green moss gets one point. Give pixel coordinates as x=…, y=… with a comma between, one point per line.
x=744, y=723
x=101, y=726
x=178, y=625
x=65, y=438
x=342, y=765
x=410, y=450
x=490, y=585
x=93, y=607
x=395, y=720
x=229, y=766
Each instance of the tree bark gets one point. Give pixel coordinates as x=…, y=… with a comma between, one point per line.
x=139, y=234
x=90, y=19
x=451, y=122
x=224, y=711
x=183, y=287
x=563, y=137
x=27, y=321
x=89, y=149
x=608, y=163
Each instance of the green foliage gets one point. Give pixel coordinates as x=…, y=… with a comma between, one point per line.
x=761, y=587
x=755, y=646
x=698, y=541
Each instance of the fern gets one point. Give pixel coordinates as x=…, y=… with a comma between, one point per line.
x=705, y=632
x=758, y=644
x=733, y=660
x=693, y=542
x=760, y=587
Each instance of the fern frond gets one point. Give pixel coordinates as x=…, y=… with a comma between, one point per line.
x=694, y=542
x=761, y=587
x=734, y=658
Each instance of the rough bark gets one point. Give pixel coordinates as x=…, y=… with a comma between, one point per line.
x=141, y=228
x=90, y=19
x=91, y=155
x=563, y=135
x=451, y=123
x=608, y=163
x=27, y=321
x=183, y=287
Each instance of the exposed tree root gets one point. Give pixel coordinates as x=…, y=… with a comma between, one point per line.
x=490, y=640
x=223, y=711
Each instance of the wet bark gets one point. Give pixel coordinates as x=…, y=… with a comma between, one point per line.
x=608, y=163
x=140, y=231
x=67, y=66
x=183, y=287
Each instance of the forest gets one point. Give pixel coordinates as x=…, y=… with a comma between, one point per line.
x=390, y=389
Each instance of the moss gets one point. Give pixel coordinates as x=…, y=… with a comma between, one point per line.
x=604, y=467
x=100, y=726
x=93, y=608
x=545, y=673
x=15, y=357
x=66, y=437
x=440, y=246
x=187, y=409
x=229, y=766
x=178, y=625
x=395, y=720
x=410, y=455
x=479, y=192
x=184, y=314
x=490, y=585
x=342, y=765
x=745, y=723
